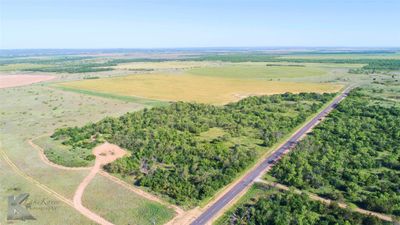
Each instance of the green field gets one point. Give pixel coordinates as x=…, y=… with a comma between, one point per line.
x=260, y=71
x=110, y=200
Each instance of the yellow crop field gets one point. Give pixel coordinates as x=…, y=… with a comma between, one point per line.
x=214, y=90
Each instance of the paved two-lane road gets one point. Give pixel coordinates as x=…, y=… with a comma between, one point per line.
x=257, y=171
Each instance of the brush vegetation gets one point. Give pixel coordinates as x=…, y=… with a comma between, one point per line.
x=188, y=151
x=353, y=156
x=266, y=205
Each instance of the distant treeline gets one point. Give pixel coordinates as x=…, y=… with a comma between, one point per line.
x=69, y=69
x=46, y=60
x=377, y=66
x=373, y=65
x=294, y=65
x=79, y=64
x=73, y=64
x=80, y=67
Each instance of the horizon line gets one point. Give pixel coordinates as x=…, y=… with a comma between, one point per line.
x=209, y=47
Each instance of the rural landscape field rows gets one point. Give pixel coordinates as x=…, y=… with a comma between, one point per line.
x=241, y=128
x=242, y=112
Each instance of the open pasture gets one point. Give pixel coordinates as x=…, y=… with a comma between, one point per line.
x=168, y=65
x=30, y=111
x=203, y=89
x=261, y=71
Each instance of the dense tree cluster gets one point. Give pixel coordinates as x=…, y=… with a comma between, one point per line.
x=354, y=155
x=287, y=208
x=42, y=60
x=378, y=66
x=170, y=158
x=81, y=67
x=62, y=64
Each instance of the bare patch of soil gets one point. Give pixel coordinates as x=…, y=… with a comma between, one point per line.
x=7, y=81
x=107, y=153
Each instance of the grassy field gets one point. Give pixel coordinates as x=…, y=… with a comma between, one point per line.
x=30, y=111
x=46, y=210
x=260, y=71
x=163, y=65
x=139, y=100
x=109, y=200
x=202, y=89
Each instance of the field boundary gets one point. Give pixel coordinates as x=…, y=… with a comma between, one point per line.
x=134, y=99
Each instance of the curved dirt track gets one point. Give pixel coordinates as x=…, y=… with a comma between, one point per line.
x=101, y=172
x=47, y=161
x=79, y=192
x=96, y=169
x=77, y=199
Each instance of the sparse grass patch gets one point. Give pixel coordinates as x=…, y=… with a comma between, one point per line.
x=105, y=197
x=212, y=133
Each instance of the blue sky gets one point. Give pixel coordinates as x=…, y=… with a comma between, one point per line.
x=198, y=23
